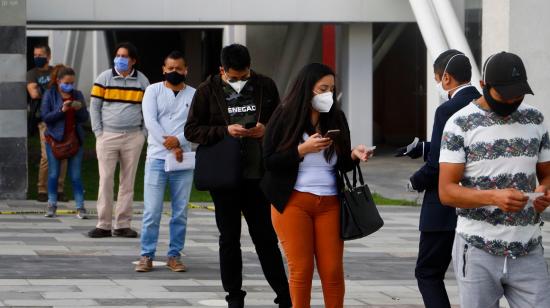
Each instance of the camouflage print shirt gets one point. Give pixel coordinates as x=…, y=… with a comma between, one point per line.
x=498, y=153
x=243, y=110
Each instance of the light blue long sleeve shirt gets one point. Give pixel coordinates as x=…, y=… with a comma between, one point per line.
x=165, y=114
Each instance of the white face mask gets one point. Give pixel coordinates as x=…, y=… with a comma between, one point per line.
x=322, y=102
x=444, y=94
x=237, y=85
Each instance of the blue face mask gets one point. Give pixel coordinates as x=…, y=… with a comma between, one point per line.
x=121, y=64
x=66, y=87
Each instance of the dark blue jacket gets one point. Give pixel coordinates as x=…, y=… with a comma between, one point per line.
x=434, y=216
x=51, y=113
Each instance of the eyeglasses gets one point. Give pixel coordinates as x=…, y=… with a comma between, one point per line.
x=245, y=78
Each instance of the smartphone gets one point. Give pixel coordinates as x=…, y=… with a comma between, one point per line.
x=76, y=104
x=332, y=134
x=533, y=195
x=250, y=125
x=371, y=150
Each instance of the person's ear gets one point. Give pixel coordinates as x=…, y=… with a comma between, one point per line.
x=482, y=84
x=222, y=71
x=446, y=79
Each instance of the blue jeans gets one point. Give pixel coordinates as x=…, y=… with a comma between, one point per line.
x=180, y=183
x=74, y=170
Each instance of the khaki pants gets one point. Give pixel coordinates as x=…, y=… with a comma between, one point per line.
x=113, y=148
x=43, y=171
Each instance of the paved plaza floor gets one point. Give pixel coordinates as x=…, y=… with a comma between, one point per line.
x=50, y=262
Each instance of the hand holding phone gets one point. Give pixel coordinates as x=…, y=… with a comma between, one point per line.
x=370, y=150
x=76, y=105
x=314, y=144
x=332, y=134
x=362, y=152
x=250, y=125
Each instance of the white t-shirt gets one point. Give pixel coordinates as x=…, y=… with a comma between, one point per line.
x=498, y=153
x=316, y=175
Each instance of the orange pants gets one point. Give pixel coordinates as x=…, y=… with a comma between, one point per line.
x=309, y=228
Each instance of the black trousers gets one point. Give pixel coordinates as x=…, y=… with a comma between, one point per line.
x=434, y=257
x=249, y=200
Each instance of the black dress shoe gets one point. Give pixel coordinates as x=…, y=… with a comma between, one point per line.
x=235, y=299
x=284, y=301
x=97, y=233
x=125, y=232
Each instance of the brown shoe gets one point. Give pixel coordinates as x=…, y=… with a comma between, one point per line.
x=42, y=197
x=175, y=264
x=145, y=264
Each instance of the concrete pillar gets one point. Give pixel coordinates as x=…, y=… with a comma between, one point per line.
x=356, y=80
x=432, y=97
x=521, y=27
x=13, y=100
x=294, y=36
x=234, y=34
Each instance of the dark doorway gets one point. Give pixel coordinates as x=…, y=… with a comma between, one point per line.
x=201, y=48
x=31, y=42
x=400, y=90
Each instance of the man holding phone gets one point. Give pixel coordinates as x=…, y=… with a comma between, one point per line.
x=239, y=102
x=495, y=154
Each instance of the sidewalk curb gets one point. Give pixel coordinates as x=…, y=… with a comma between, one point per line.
x=94, y=211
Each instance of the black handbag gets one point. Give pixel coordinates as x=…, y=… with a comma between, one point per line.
x=359, y=216
x=218, y=166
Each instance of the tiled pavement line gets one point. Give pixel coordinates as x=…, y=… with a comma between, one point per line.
x=379, y=269
x=43, y=292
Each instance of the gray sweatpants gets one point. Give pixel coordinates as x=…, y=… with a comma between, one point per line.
x=484, y=278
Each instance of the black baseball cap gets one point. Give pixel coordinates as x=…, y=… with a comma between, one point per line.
x=506, y=73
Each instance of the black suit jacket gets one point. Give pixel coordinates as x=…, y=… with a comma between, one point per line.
x=434, y=216
x=282, y=166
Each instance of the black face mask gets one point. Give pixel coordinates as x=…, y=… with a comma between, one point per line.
x=500, y=108
x=174, y=77
x=40, y=61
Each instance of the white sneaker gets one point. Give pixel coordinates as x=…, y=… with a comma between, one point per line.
x=81, y=213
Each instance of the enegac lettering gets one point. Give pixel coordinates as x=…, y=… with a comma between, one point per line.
x=241, y=109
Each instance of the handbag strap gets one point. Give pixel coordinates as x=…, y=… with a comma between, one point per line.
x=356, y=171
x=220, y=105
x=345, y=180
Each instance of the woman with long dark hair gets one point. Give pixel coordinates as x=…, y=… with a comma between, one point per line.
x=306, y=142
x=64, y=110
